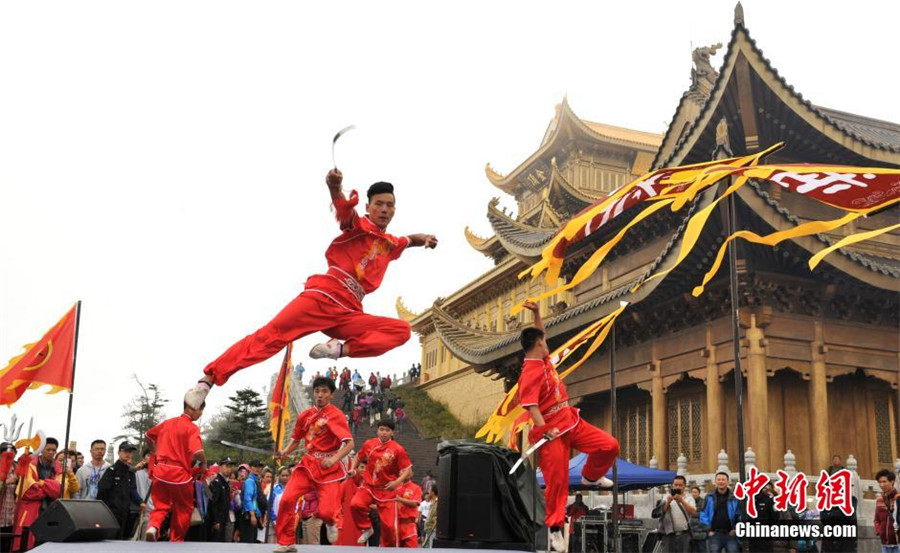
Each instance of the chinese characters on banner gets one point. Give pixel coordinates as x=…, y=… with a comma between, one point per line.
x=831, y=491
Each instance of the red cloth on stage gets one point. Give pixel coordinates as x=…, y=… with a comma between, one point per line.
x=539, y=384
x=33, y=494
x=331, y=303
x=348, y=533
x=299, y=485
x=177, y=498
x=177, y=440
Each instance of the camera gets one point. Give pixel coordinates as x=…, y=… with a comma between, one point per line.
x=676, y=491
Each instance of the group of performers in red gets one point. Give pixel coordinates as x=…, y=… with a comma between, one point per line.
x=379, y=474
x=331, y=303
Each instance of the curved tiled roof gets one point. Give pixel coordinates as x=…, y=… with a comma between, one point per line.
x=880, y=135
x=517, y=238
x=480, y=348
x=580, y=198
x=597, y=131
x=883, y=135
x=885, y=266
x=404, y=312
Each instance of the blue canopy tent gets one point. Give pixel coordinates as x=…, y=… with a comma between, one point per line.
x=631, y=476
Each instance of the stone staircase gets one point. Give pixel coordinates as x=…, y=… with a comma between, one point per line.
x=422, y=451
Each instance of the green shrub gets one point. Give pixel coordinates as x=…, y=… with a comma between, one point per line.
x=432, y=418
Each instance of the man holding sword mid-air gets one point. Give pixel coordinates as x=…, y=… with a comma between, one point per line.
x=331, y=303
x=543, y=395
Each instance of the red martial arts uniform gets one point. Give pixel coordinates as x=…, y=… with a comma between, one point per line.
x=349, y=533
x=331, y=303
x=384, y=463
x=407, y=516
x=177, y=440
x=539, y=385
x=35, y=493
x=324, y=430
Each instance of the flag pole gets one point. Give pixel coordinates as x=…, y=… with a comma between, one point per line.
x=723, y=149
x=71, y=393
x=275, y=462
x=613, y=423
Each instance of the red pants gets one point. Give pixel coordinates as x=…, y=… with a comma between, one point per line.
x=602, y=450
x=409, y=534
x=349, y=533
x=299, y=485
x=178, y=498
x=387, y=514
x=363, y=335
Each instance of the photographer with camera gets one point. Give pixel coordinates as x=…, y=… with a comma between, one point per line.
x=674, y=514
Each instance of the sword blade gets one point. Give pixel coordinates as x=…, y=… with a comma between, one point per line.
x=246, y=447
x=334, y=140
x=528, y=454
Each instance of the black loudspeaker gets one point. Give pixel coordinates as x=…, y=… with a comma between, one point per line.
x=469, y=507
x=75, y=520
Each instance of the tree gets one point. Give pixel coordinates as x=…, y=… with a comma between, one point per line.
x=142, y=413
x=245, y=421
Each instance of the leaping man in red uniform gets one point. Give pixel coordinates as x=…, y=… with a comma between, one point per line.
x=543, y=395
x=328, y=440
x=331, y=303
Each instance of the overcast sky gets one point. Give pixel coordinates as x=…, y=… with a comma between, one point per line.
x=164, y=162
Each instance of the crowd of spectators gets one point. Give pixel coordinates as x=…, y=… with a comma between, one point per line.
x=233, y=501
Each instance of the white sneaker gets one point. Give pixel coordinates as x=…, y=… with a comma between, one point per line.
x=285, y=549
x=331, y=349
x=197, y=395
x=151, y=534
x=331, y=533
x=602, y=482
x=557, y=541
x=364, y=537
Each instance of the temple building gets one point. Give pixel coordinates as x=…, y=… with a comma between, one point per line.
x=820, y=350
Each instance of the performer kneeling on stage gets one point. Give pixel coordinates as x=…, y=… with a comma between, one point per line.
x=177, y=457
x=409, y=497
x=332, y=303
x=387, y=467
x=543, y=395
x=328, y=440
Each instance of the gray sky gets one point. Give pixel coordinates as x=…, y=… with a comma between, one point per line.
x=164, y=161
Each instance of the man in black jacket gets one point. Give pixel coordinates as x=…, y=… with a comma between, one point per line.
x=765, y=513
x=118, y=489
x=220, y=503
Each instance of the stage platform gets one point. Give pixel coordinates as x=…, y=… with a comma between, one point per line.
x=197, y=547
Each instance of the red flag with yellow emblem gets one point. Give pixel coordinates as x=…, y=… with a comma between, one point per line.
x=280, y=397
x=47, y=362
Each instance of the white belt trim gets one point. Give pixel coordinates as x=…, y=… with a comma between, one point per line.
x=350, y=283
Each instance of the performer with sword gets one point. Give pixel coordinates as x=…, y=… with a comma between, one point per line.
x=543, y=395
x=331, y=303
